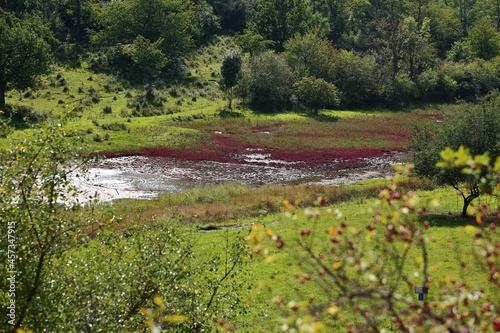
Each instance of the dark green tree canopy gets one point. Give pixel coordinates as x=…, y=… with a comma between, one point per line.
x=230, y=73
x=308, y=54
x=280, y=20
x=172, y=20
x=24, y=54
x=484, y=40
x=268, y=82
x=316, y=93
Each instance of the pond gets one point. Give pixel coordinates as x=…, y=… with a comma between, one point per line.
x=144, y=177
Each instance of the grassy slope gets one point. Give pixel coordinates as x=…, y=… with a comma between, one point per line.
x=450, y=247
x=187, y=116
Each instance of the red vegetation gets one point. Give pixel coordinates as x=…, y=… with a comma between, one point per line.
x=221, y=148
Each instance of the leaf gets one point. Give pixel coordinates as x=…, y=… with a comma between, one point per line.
x=470, y=229
x=158, y=301
x=337, y=265
x=174, y=319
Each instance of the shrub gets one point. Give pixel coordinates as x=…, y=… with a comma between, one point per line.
x=436, y=85
x=269, y=82
x=114, y=127
x=25, y=113
x=107, y=110
x=316, y=93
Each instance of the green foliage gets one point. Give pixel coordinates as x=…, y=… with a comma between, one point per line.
x=280, y=20
x=436, y=85
x=409, y=45
x=268, y=82
x=484, y=40
x=355, y=75
x=24, y=55
x=445, y=25
x=308, y=55
x=156, y=269
x=69, y=270
x=172, y=21
x=369, y=277
x=251, y=42
x=40, y=204
x=230, y=73
x=476, y=129
x=146, y=55
x=316, y=93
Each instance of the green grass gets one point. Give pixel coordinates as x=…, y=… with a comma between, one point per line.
x=222, y=209
x=185, y=112
x=449, y=248
x=189, y=116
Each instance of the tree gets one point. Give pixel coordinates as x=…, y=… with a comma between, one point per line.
x=251, y=42
x=268, y=82
x=230, y=72
x=24, y=55
x=280, y=20
x=410, y=46
x=355, y=75
x=316, y=93
x=308, y=55
x=148, y=57
x=445, y=26
x=338, y=14
x=476, y=129
x=484, y=40
x=172, y=20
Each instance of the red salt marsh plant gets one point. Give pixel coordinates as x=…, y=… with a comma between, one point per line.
x=306, y=139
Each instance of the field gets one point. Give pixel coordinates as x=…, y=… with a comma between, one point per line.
x=187, y=121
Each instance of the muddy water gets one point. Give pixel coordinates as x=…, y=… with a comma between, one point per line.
x=145, y=177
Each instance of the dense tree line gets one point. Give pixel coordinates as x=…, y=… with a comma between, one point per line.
x=377, y=52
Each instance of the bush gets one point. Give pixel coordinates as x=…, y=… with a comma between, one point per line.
x=355, y=76
x=23, y=113
x=114, y=127
x=268, y=83
x=436, y=85
x=107, y=110
x=316, y=93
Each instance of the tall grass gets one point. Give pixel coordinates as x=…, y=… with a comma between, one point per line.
x=229, y=203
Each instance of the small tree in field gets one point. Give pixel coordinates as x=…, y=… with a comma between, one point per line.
x=476, y=128
x=231, y=72
x=24, y=54
x=148, y=57
x=381, y=277
x=316, y=93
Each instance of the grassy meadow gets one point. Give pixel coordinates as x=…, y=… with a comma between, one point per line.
x=278, y=275
x=111, y=115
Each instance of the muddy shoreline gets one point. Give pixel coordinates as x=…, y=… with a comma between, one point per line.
x=146, y=175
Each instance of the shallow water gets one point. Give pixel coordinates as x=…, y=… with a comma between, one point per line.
x=145, y=177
